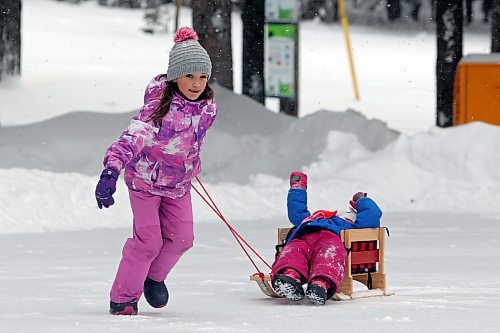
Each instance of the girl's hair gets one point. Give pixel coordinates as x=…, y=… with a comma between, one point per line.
x=166, y=99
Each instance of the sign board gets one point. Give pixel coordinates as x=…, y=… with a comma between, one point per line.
x=282, y=10
x=280, y=60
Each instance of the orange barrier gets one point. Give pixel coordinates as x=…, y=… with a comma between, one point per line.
x=476, y=91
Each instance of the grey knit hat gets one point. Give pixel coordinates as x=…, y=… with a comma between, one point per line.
x=187, y=55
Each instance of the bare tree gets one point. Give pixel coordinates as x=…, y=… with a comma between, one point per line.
x=394, y=9
x=495, y=27
x=449, y=28
x=212, y=22
x=10, y=37
x=253, y=18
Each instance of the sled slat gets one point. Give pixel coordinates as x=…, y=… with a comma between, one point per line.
x=356, y=235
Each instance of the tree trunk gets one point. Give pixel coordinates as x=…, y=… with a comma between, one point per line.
x=309, y=9
x=10, y=37
x=394, y=9
x=253, y=17
x=212, y=23
x=495, y=27
x=449, y=28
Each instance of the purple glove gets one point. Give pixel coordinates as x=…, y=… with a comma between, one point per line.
x=355, y=198
x=106, y=187
x=298, y=180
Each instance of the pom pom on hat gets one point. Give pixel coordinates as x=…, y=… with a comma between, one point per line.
x=185, y=33
x=187, y=55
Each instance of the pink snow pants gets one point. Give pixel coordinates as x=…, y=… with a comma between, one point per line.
x=163, y=231
x=320, y=253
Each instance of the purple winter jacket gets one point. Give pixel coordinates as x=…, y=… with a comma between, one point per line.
x=164, y=160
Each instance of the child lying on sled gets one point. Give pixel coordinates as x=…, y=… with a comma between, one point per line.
x=314, y=252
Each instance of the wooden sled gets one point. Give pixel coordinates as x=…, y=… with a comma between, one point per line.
x=365, y=264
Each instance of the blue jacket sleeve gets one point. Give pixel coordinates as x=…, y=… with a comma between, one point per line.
x=368, y=215
x=297, y=205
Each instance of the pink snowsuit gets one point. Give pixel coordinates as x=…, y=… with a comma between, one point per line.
x=316, y=254
x=159, y=163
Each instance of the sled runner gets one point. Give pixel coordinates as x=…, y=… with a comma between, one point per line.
x=365, y=264
x=264, y=283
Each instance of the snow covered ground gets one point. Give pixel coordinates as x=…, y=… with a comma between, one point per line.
x=439, y=188
x=441, y=267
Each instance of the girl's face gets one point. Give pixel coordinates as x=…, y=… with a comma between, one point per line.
x=192, y=85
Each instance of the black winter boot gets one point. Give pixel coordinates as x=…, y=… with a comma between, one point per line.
x=288, y=287
x=126, y=309
x=320, y=289
x=156, y=293
x=316, y=294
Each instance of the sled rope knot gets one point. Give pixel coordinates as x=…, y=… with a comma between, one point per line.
x=241, y=241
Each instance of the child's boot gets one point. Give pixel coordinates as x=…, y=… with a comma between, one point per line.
x=126, y=309
x=156, y=293
x=319, y=290
x=289, y=285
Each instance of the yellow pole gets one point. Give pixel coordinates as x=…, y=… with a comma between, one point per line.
x=345, y=27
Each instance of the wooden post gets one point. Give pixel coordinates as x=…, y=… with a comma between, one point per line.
x=495, y=26
x=449, y=31
x=253, y=18
x=178, y=5
x=381, y=249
